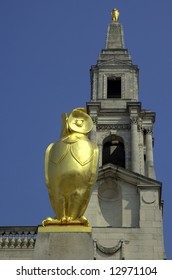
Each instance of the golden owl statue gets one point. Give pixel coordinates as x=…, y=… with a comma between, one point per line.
x=115, y=15
x=70, y=169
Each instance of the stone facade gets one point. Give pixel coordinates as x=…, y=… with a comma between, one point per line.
x=126, y=206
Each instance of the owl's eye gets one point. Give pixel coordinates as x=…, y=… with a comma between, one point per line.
x=79, y=122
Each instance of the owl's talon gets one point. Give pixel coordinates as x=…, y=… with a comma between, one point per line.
x=68, y=219
x=63, y=220
x=47, y=221
x=84, y=220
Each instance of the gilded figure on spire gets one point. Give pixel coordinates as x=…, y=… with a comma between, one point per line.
x=115, y=15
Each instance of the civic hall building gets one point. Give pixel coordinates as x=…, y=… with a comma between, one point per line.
x=125, y=208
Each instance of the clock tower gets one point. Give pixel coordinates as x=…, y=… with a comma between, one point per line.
x=125, y=209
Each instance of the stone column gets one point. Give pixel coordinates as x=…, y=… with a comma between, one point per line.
x=100, y=154
x=141, y=148
x=150, y=172
x=134, y=146
x=92, y=134
x=94, y=85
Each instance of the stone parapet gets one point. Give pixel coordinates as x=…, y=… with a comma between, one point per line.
x=17, y=242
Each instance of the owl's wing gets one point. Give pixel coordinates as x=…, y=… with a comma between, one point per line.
x=94, y=167
x=46, y=165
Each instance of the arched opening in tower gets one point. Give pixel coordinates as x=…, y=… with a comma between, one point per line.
x=114, y=151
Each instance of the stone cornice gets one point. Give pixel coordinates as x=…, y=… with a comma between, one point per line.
x=118, y=172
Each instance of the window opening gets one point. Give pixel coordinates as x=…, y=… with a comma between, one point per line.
x=114, y=87
x=114, y=152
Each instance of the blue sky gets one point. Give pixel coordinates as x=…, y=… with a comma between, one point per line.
x=46, y=50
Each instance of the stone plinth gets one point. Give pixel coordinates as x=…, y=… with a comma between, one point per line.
x=64, y=243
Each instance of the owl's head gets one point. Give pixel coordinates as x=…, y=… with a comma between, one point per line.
x=77, y=121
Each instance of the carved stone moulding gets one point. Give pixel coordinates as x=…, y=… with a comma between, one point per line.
x=103, y=127
x=110, y=250
x=148, y=198
x=133, y=120
x=94, y=119
x=148, y=130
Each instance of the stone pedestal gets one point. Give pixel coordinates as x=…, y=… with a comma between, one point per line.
x=64, y=243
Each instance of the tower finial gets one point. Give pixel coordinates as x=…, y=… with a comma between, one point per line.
x=115, y=15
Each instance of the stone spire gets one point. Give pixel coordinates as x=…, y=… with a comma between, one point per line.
x=115, y=47
x=115, y=36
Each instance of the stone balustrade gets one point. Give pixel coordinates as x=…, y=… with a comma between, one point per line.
x=22, y=237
